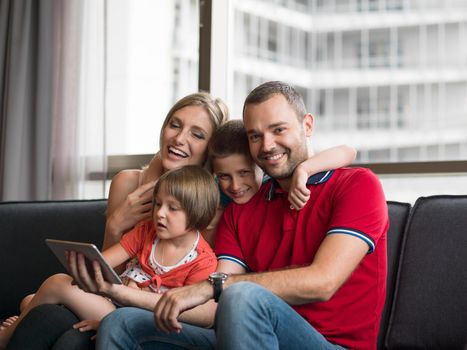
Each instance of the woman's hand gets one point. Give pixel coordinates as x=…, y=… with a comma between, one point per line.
x=126, y=206
x=135, y=208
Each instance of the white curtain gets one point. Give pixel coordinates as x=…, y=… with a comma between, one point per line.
x=78, y=147
x=52, y=99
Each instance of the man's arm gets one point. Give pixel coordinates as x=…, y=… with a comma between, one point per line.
x=335, y=260
x=193, y=301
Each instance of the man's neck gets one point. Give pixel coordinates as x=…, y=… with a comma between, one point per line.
x=284, y=183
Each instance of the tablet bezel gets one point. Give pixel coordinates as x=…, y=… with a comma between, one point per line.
x=91, y=253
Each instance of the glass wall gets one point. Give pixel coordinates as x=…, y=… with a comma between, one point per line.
x=388, y=77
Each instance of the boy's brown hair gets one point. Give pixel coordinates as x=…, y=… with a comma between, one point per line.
x=230, y=138
x=197, y=192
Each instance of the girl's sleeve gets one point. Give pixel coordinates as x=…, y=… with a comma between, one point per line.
x=206, y=264
x=133, y=240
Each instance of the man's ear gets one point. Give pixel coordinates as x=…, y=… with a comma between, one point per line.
x=308, y=123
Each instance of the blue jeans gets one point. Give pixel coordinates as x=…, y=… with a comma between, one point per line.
x=248, y=317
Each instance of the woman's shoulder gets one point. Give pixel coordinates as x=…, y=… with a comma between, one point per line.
x=127, y=178
x=123, y=183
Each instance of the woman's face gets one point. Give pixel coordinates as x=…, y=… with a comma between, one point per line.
x=185, y=138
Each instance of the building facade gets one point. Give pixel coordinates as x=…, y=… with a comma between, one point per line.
x=388, y=77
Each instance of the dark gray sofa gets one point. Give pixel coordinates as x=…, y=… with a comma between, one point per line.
x=426, y=305
x=25, y=260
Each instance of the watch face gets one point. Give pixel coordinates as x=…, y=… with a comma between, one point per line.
x=218, y=276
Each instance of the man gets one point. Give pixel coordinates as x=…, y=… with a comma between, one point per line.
x=314, y=278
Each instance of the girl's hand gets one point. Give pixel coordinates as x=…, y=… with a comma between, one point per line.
x=298, y=192
x=79, y=272
x=87, y=325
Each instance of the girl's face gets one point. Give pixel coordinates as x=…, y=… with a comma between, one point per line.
x=169, y=218
x=185, y=138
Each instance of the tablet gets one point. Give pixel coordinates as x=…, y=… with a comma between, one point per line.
x=90, y=252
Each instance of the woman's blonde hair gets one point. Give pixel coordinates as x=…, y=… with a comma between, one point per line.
x=194, y=187
x=215, y=107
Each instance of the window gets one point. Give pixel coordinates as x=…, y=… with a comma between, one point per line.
x=395, y=91
x=152, y=60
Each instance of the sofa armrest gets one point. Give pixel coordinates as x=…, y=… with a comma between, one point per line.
x=25, y=260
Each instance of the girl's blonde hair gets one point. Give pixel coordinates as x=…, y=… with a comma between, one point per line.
x=195, y=189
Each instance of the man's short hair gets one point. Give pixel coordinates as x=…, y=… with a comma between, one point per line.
x=229, y=138
x=194, y=187
x=266, y=90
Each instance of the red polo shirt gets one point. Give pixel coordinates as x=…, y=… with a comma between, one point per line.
x=265, y=234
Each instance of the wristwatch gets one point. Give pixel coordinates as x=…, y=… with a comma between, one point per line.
x=217, y=280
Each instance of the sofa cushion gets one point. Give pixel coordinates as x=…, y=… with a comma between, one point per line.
x=398, y=214
x=25, y=260
x=430, y=302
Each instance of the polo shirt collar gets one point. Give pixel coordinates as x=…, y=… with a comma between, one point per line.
x=314, y=179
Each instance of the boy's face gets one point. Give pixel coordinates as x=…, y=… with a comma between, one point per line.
x=239, y=177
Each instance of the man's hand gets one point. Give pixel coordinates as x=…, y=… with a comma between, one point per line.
x=298, y=192
x=175, y=301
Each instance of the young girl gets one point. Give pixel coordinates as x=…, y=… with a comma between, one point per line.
x=170, y=249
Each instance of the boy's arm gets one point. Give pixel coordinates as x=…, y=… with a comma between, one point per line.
x=328, y=159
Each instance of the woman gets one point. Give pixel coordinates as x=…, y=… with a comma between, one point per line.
x=184, y=137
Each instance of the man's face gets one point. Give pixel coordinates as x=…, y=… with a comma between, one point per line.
x=276, y=137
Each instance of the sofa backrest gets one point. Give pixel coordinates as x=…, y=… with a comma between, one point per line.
x=430, y=302
x=25, y=260
x=398, y=214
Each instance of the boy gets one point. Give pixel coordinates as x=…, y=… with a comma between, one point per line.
x=240, y=178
